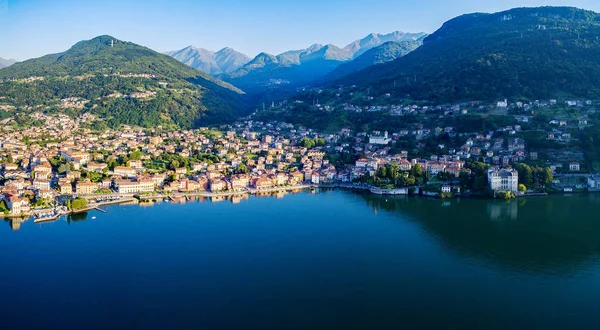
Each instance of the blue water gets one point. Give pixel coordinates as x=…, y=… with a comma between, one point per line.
x=332, y=260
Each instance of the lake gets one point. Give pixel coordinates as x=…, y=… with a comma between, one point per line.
x=328, y=260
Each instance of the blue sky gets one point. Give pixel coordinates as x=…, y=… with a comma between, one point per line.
x=32, y=28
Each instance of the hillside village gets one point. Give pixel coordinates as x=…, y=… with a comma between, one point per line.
x=60, y=158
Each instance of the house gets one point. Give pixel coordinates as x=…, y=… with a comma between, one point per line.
x=65, y=186
x=86, y=188
x=446, y=189
x=41, y=184
x=17, y=205
x=217, y=185
x=95, y=167
x=506, y=179
x=404, y=165
x=136, y=164
x=574, y=167
x=124, y=171
x=362, y=162
x=134, y=187
x=262, y=183
x=379, y=139
x=315, y=178
x=298, y=176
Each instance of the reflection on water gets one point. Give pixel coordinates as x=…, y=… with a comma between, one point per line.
x=507, y=210
x=77, y=217
x=15, y=223
x=554, y=235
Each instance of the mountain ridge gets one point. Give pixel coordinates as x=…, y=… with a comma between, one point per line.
x=283, y=73
x=222, y=61
x=528, y=53
x=121, y=81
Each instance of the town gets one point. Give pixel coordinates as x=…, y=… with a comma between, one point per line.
x=56, y=163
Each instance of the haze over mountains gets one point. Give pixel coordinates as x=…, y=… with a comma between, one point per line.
x=6, y=63
x=288, y=70
x=225, y=60
x=285, y=72
x=387, y=52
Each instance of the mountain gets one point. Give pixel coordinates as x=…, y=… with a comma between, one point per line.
x=373, y=40
x=523, y=53
x=387, y=52
x=224, y=61
x=123, y=83
x=6, y=63
x=280, y=75
x=285, y=72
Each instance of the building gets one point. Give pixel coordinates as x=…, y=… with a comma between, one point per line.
x=86, y=188
x=41, y=184
x=17, y=205
x=65, y=187
x=379, y=139
x=574, y=167
x=506, y=179
x=95, y=167
x=124, y=171
x=134, y=187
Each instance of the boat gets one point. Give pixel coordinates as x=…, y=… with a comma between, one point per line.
x=397, y=191
x=93, y=218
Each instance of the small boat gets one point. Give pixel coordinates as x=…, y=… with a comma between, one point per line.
x=93, y=218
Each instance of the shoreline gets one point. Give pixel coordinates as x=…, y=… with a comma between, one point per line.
x=129, y=198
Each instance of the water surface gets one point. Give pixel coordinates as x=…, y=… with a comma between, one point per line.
x=332, y=260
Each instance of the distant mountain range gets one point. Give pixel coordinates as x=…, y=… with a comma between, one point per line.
x=121, y=82
x=387, y=52
x=373, y=40
x=523, y=53
x=6, y=63
x=225, y=60
x=286, y=71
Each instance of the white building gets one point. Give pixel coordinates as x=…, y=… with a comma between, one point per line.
x=506, y=179
x=379, y=139
x=574, y=167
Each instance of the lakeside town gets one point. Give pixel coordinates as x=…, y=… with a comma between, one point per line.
x=58, y=164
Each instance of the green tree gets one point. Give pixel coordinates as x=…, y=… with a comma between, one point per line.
x=417, y=171
x=63, y=168
x=522, y=188
x=3, y=207
x=77, y=204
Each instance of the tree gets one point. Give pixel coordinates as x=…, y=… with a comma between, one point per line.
x=3, y=207
x=522, y=188
x=77, y=204
x=62, y=168
x=417, y=171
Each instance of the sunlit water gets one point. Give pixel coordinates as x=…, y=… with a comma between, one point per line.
x=331, y=260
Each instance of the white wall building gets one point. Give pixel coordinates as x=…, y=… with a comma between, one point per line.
x=379, y=139
x=506, y=179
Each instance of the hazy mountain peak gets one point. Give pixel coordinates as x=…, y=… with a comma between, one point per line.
x=358, y=47
x=224, y=61
x=6, y=63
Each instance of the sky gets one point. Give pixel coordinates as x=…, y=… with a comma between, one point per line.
x=33, y=28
